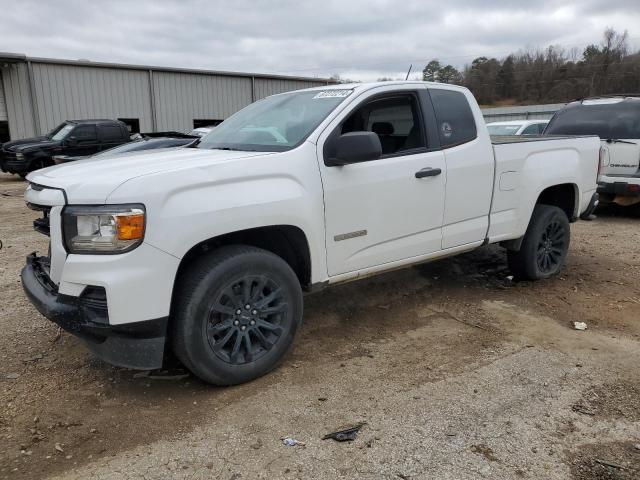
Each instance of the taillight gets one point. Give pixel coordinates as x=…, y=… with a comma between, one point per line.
x=600, y=160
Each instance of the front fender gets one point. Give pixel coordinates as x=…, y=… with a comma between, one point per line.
x=189, y=206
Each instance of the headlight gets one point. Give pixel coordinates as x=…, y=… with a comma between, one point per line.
x=103, y=229
x=19, y=156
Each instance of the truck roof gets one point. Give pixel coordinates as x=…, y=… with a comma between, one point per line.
x=94, y=120
x=613, y=96
x=368, y=85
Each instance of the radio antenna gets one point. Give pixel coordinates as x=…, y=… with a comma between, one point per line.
x=407, y=77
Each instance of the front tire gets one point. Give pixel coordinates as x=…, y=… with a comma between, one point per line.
x=236, y=313
x=545, y=245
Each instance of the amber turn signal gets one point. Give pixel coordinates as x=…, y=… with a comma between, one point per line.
x=130, y=227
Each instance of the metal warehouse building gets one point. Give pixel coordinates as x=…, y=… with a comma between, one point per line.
x=36, y=94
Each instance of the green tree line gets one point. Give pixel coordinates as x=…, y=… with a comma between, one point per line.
x=547, y=76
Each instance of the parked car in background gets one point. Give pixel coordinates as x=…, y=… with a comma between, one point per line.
x=616, y=120
x=73, y=138
x=139, y=142
x=201, y=131
x=517, y=127
x=295, y=192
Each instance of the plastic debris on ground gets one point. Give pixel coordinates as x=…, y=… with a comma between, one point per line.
x=346, y=434
x=579, y=326
x=292, y=442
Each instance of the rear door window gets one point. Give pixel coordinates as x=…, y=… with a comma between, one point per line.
x=110, y=133
x=456, y=124
x=85, y=133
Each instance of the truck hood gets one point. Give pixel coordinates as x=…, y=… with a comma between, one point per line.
x=92, y=180
x=28, y=143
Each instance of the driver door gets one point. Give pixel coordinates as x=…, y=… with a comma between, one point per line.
x=83, y=141
x=380, y=211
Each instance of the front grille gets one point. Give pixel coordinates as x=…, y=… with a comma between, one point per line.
x=41, y=225
x=9, y=156
x=11, y=160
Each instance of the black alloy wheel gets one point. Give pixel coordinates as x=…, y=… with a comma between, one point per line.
x=551, y=247
x=246, y=319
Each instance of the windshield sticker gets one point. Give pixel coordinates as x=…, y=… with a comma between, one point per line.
x=333, y=94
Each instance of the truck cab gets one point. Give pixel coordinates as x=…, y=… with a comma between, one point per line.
x=207, y=250
x=72, y=138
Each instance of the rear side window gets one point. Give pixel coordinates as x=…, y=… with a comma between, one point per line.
x=111, y=132
x=615, y=119
x=85, y=132
x=456, y=124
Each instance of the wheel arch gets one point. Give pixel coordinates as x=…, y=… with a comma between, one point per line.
x=564, y=196
x=286, y=241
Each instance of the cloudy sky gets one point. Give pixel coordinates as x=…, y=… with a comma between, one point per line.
x=358, y=39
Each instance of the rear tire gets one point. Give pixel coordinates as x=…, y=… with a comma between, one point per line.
x=236, y=313
x=545, y=245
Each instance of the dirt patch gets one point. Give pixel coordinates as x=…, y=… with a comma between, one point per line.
x=435, y=358
x=485, y=451
x=611, y=400
x=610, y=461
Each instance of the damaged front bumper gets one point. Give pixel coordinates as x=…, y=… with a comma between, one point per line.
x=138, y=345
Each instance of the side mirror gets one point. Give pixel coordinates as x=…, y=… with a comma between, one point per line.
x=71, y=141
x=354, y=147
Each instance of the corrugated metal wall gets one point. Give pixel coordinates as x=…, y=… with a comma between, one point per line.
x=525, y=112
x=3, y=105
x=16, y=88
x=68, y=90
x=68, y=93
x=182, y=97
x=270, y=86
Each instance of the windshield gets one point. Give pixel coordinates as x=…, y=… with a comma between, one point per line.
x=139, y=145
x=606, y=120
x=61, y=132
x=275, y=124
x=125, y=147
x=503, y=129
x=199, y=132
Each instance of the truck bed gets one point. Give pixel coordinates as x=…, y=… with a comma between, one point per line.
x=526, y=165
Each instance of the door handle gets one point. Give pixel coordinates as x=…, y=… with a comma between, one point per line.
x=428, y=172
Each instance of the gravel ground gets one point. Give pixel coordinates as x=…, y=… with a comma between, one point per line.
x=458, y=372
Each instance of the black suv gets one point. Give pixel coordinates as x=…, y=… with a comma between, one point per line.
x=73, y=138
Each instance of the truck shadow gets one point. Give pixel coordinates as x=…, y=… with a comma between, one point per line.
x=612, y=210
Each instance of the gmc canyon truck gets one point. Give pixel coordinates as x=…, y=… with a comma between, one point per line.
x=207, y=250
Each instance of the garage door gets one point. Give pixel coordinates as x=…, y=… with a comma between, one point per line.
x=3, y=104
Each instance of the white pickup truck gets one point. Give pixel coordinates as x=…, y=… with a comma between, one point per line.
x=207, y=250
